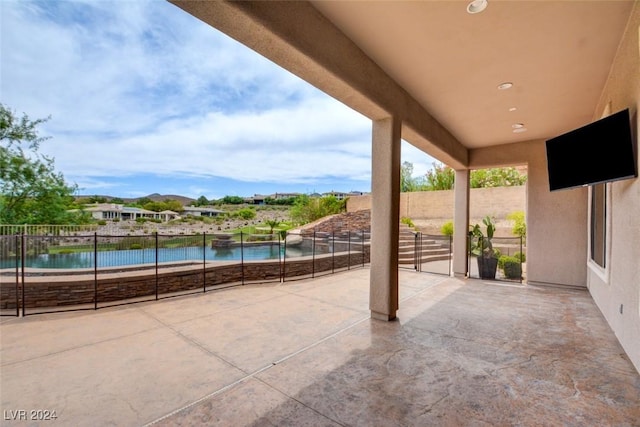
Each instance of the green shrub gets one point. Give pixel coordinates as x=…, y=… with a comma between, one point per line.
x=511, y=266
x=246, y=213
x=141, y=220
x=102, y=222
x=519, y=224
x=520, y=256
x=407, y=221
x=115, y=220
x=501, y=261
x=65, y=251
x=135, y=246
x=447, y=228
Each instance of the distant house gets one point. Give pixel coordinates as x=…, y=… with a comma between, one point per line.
x=111, y=211
x=199, y=211
x=279, y=196
x=257, y=199
x=341, y=196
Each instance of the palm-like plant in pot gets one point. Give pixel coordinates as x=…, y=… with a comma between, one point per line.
x=482, y=248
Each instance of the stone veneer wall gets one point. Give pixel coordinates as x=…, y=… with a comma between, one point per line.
x=70, y=290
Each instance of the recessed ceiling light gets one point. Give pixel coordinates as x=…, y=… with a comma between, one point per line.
x=477, y=6
x=512, y=109
x=519, y=130
x=505, y=86
x=517, y=125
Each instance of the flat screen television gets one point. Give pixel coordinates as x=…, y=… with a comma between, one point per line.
x=601, y=151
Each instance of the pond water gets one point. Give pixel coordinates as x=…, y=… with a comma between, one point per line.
x=148, y=256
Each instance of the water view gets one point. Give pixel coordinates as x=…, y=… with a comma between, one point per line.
x=148, y=256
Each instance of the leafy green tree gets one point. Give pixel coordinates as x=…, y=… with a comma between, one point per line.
x=167, y=205
x=142, y=201
x=407, y=181
x=117, y=200
x=97, y=199
x=201, y=201
x=441, y=177
x=285, y=201
x=496, y=177
x=31, y=191
x=232, y=200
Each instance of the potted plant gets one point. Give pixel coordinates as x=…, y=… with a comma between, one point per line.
x=482, y=248
x=511, y=266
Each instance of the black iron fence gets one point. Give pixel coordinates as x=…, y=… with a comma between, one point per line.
x=50, y=273
x=427, y=253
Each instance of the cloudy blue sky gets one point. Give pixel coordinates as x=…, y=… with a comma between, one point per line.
x=145, y=98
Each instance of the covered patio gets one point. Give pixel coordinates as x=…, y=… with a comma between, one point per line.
x=462, y=352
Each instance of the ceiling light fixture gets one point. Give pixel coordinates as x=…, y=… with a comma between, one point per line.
x=517, y=125
x=520, y=130
x=505, y=86
x=512, y=109
x=476, y=6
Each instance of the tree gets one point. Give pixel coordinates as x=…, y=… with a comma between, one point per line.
x=201, y=201
x=97, y=199
x=496, y=177
x=142, y=201
x=441, y=177
x=167, y=205
x=407, y=181
x=31, y=191
x=232, y=200
x=272, y=223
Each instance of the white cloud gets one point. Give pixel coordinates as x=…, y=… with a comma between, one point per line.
x=141, y=87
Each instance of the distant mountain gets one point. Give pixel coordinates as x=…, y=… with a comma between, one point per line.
x=155, y=197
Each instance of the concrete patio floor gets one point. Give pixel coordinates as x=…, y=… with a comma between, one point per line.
x=306, y=354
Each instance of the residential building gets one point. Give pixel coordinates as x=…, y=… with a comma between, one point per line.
x=111, y=211
x=200, y=211
x=341, y=195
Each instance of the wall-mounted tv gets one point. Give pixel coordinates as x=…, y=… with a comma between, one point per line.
x=601, y=151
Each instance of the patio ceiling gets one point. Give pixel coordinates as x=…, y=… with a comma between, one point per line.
x=557, y=54
x=437, y=65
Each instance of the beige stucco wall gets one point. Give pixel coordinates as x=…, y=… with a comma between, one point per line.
x=497, y=202
x=616, y=290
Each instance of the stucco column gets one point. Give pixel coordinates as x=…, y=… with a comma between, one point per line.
x=385, y=218
x=460, y=223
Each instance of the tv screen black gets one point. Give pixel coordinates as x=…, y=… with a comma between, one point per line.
x=601, y=151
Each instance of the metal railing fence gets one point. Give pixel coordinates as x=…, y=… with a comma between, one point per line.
x=50, y=273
